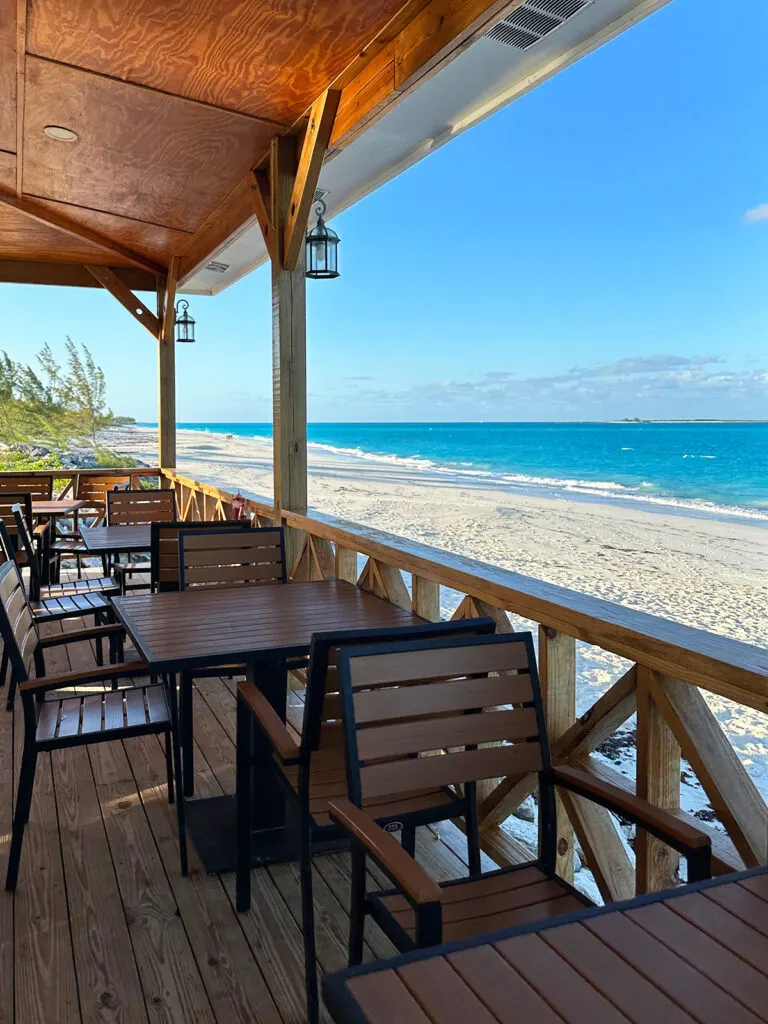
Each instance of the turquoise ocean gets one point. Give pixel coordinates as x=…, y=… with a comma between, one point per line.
x=694, y=468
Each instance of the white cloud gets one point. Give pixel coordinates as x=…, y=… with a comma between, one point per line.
x=756, y=214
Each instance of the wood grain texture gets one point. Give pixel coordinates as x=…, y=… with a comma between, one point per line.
x=26, y=239
x=73, y=275
x=8, y=75
x=7, y=170
x=268, y=58
x=557, y=670
x=140, y=154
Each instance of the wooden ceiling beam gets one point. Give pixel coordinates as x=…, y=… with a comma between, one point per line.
x=169, y=301
x=417, y=43
x=126, y=298
x=54, y=219
x=313, y=150
x=70, y=275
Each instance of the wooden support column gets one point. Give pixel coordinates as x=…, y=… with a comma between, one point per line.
x=658, y=782
x=289, y=352
x=166, y=364
x=557, y=667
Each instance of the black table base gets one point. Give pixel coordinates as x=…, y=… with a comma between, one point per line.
x=212, y=828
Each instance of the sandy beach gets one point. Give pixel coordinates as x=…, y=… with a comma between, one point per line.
x=707, y=572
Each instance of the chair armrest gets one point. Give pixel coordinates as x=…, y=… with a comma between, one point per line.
x=42, y=528
x=93, y=633
x=665, y=826
x=382, y=847
x=96, y=675
x=269, y=721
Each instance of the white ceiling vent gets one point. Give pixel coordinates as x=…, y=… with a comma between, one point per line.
x=217, y=268
x=320, y=193
x=533, y=20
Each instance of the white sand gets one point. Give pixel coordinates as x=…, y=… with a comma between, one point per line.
x=705, y=572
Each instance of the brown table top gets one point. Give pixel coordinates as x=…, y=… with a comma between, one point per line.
x=697, y=954
x=112, y=540
x=197, y=627
x=62, y=507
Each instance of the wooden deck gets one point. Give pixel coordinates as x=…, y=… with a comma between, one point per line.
x=104, y=928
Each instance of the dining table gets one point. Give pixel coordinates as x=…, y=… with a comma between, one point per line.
x=698, y=953
x=260, y=628
x=116, y=540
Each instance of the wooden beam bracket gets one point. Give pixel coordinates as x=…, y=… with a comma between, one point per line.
x=126, y=298
x=316, y=139
x=262, y=205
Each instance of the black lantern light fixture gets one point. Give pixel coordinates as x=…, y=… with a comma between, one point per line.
x=321, y=248
x=185, y=325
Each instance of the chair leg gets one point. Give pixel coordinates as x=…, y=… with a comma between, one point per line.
x=99, y=621
x=11, y=692
x=104, y=566
x=308, y=919
x=357, y=906
x=473, y=830
x=169, y=768
x=187, y=734
x=4, y=667
x=408, y=839
x=244, y=797
x=21, y=817
x=174, y=737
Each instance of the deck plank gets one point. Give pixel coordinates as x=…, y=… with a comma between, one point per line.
x=107, y=976
x=235, y=986
x=45, y=986
x=170, y=978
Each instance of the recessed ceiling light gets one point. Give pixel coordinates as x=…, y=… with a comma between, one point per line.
x=55, y=131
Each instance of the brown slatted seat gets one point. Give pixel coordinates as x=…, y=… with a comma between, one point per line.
x=91, y=718
x=313, y=772
x=451, y=712
x=51, y=723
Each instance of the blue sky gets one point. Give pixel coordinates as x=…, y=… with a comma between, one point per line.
x=597, y=249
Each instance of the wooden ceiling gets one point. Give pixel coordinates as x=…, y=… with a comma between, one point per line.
x=174, y=103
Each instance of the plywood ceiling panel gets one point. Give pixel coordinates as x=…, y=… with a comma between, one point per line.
x=140, y=154
x=8, y=75
x=26, y=239
x=268, y=58
x=150, y=240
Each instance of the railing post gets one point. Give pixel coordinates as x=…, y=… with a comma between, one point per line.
x=166, y=356
x=658, y=782
x=346, y=564
x=557, y=670
x=425, y=597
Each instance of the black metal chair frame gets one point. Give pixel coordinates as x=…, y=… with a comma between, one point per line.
x=428, y=915
x=221, y=525
x=33, y=699
x=255, y=753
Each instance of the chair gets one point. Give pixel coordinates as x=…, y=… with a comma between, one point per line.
x=211, y=558
x=8, y=501
x=140, y=507
x=94, y=490
x=39, y=488
x=486, y=690
x=216, y=558
x=57, y=601
x=312, y=771
x=164, y=553
x=52, y=724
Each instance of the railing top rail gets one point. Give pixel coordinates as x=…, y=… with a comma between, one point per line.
x=729, y=667
x=95, y=471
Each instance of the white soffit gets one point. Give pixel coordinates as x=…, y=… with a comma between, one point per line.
x=532, y=44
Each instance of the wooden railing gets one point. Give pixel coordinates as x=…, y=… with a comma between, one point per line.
x=65, y=481
x=671, y=665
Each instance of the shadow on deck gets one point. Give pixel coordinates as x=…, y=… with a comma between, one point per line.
x=104, y=928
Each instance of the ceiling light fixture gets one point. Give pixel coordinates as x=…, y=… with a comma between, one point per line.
x=55, y=131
